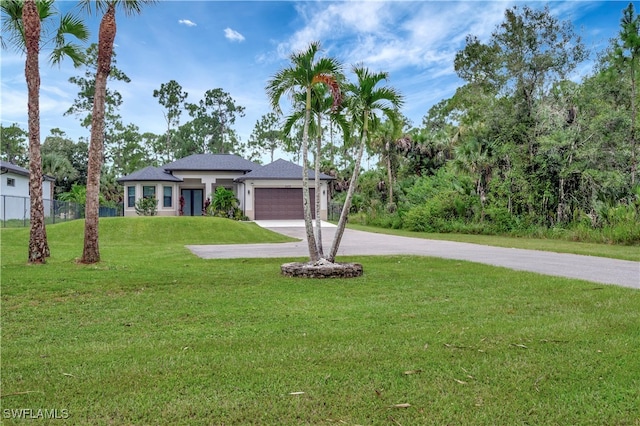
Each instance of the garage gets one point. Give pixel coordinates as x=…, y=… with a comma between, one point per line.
x=280, y=203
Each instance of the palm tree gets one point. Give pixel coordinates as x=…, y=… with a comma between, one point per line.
x=22, y=22
x=364, y=101
x=78, y=195
x=304, y=73
x=321, y=105
x=475, y=155
x=57, y=165
x=388, y=141
x=106, y=37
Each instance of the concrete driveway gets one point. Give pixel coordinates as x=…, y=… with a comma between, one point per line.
x=358, y=243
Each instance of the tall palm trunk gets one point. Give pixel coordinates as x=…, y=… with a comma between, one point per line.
x=38, y=246
x=308, y=222
x=106, y=37
x=389, y=172
x=317, y=183
x=634, y=163
x=342, y=223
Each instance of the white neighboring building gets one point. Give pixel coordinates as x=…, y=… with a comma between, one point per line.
x=14, y=192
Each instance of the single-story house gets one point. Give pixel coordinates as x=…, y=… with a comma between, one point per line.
x=15, y=201
x=272, y=191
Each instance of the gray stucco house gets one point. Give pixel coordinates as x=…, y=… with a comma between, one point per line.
x=272, y=191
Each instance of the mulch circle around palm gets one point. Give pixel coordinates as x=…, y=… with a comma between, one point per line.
x=321, y=269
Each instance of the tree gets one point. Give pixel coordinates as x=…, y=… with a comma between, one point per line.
x=111, y=192
x=82, y=106
x=52, y=33
x=474, y=155
x=213, y=117
x=153, y=144
x=38, y=245
x=390, y=144
x=57, y=144
x=106, y=37
x=13, y=148
x=321, y=105
x=599, y=170
x=364, y=102
x=23, y=22
x=267, y=135
x=627, y=53
x=128, y=151
x=508, y=80
x=77, y=194
x=305, y=72
x=59, y=167
x=172, y=98
x=83, y=103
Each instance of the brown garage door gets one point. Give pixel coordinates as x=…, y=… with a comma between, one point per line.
x=281, y=203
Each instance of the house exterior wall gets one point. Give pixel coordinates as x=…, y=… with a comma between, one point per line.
x=207, y=181
x=20, y=187
x=248, y=194
x=15, y=199
x=159, y=190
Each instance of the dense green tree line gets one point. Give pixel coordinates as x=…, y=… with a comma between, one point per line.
x=522, y=146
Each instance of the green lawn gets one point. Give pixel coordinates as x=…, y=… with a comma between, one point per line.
x=154, y=335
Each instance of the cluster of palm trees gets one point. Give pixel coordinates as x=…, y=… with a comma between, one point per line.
x=27, y=24
x=319, y=85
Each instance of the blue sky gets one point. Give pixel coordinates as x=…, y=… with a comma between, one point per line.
x=239, y=45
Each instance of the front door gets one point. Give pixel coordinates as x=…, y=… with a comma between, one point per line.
x=192, y=202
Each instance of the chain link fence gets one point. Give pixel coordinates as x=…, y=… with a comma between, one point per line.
x=14, y=211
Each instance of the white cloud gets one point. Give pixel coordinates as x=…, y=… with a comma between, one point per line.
x=187, y=22
x=393, y=35
x=333, y=21
x=233, y=35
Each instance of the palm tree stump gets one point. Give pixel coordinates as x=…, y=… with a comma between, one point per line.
x=321, y=269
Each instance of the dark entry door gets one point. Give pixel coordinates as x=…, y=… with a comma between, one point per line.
x=192, y=202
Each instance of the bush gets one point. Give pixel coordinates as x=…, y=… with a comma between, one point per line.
x=501, y=220
x=147, y=206
x=224, y=204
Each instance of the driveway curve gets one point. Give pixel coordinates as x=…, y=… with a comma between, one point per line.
x=359, y=243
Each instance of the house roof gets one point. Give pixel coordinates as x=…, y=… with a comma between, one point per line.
x=211, y=162
x=280, y=169
x=5, y=167
x=150, y=174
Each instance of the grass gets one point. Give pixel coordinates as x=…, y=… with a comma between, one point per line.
x=154, y=335
x=624, y=252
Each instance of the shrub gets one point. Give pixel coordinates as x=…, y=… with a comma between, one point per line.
x=224, y=204
x=147, y=206
x=501, y=220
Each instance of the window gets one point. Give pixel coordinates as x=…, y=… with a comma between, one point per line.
x=149, y=192
x=168, y=193
x=131, y=196
x=11, y=182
